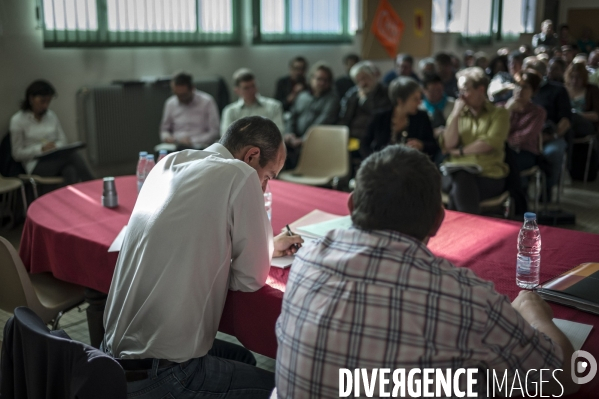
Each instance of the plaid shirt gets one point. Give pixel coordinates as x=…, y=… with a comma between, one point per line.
x=358, y=299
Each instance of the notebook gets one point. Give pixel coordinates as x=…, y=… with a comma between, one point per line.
x=577, y=288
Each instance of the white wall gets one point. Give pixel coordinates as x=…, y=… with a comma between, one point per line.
x=24, y=59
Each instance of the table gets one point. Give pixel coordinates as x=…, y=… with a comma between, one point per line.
x=68, y=232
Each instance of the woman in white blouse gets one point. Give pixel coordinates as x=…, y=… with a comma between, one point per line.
x=35, y=130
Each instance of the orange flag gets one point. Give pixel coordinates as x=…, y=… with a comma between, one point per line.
x=387, y=27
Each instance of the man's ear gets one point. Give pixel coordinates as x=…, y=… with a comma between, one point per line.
x=252, y=156
x=438, y=222
x=350, y=203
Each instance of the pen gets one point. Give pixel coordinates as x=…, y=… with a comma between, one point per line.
x=290, y=233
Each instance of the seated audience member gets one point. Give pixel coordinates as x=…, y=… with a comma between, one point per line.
x=427, y=66
x=564, y=38
x=586, y=44
x=481, y=60
x=289, y=87
x=436, y=103
x=476, y=132
x=526, y=50
x=593, y=61
x=500, y=88
x=547, y=37
x=402, y=124
x=556, y=101
x=456, y=64
x=404, y=66
x=447, y=74
x=344, y=83
x=526, y=121
x=374, y=296
x=568, y=54
x=35, y=130
x=318, y=106
x=250, y=102
x=361, y=101
x=468, y=58
x=198, y=229
x=515, y=60
x=584, y=98
x=190, y=118
x=556, y=69
x=498, y=64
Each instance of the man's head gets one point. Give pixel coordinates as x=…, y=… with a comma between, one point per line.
x=427, y=66
x=515, y=60
x=433, y=88
x=256, y=141
x=38, y=96
x=536, y=64
x=473, y=83
x=365, y=75
x=547, y=27
x=245, y=85
x=404, y=64
x=527, y=84
x=557, y=67
x=443, y=64
x=182, y=87
x=321, y=79
x=297, y=68
x=568, y=53
x=405, y=93
x=398, y=189
x=350, y=60
x=593, y=61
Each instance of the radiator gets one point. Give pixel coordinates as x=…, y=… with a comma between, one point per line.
x=118, y=121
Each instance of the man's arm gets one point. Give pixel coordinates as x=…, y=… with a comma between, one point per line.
x=451, y=135
x=330, y=112
x=166, y=126
x=277, y=116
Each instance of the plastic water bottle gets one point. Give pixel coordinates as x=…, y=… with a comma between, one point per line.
x=268, y=201
x=161, y=154
x=141, y=169
x=528, y=265
x=149, y=164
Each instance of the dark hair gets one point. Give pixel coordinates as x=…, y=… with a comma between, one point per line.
x=354, y=57
x=37, y=88
x=183, y=79
x=530, y=77
x=404, y=57
x=243, y=75
x=299, y=58
x=443, y=59
x=576, y=67
x=516, y=55
x=321, y=66
x=558, y=60
x=431, y=78
x=401, y=88
x=255, y=131
x=398, y=189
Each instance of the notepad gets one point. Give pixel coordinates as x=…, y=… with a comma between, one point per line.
x=321, y=229
x=577, y=333
x=118, y=241
x=283, y=262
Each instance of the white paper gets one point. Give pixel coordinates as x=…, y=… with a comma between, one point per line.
x=282, y=262
x=577, y=333
x=118, y=241
x=321, y=229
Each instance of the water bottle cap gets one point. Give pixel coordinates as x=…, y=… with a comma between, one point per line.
x=151, y=157
x=143, y=153
x=530, y=216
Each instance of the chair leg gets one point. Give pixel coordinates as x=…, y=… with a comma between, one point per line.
x=24, y=198
x=562, y=178
x=588, y=165
x=57, y=320
x=34, y=186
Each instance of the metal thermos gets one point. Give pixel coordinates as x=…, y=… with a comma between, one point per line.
x=109, y=197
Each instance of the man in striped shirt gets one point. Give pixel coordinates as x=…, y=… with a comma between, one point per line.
x=373, y=296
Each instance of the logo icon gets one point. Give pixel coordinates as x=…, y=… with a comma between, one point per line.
x=580, y=367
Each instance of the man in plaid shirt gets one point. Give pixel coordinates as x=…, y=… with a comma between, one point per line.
x=373, y=296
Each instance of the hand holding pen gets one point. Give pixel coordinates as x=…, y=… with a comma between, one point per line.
x=287, y=243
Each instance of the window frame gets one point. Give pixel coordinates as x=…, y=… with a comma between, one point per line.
x=104, y=38
x=299, y=38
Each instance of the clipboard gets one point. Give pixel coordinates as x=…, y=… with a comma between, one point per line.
x=62, y=151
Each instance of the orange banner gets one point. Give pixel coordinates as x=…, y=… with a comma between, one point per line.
x=387, y=27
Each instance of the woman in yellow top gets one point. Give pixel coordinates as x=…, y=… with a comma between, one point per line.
x=476, y=132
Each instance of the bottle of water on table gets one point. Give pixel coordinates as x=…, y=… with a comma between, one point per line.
x=268, y=201
x=149, y=164
x=528, y=264
x=161, y=154
x=141, y=169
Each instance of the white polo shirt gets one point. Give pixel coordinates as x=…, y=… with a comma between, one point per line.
x=198, y=229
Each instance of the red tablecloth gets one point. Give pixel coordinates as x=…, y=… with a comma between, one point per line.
x=68, y=232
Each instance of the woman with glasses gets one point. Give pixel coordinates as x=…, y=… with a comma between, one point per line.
x=36, y=130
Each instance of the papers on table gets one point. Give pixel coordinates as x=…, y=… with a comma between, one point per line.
x=282, y=262
x=118, y=241
x=321, y=229
x=577, y=333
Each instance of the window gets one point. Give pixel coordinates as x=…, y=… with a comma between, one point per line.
x=482, y=20
x=278, y=21
x=139, y=22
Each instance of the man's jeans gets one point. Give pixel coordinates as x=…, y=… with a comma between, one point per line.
x=554, y=154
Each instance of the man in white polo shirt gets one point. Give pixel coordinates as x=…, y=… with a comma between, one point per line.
x=250, y=102
x=198, y=229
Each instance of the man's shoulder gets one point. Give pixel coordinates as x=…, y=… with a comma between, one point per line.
x=203, y=96
x=271, y=102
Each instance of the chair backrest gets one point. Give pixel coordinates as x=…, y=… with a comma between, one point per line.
x=324, y=152
x=15, y=285
x=37, y=363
